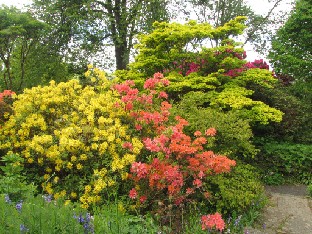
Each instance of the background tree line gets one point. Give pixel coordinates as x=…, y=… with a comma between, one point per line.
x=67, y=35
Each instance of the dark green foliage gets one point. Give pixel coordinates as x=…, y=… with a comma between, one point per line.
x=42, y=67
x=291, y=52
x=296, y=125
x=283, y=161
x=237, y=191
x=19, y=33
x=80, y=28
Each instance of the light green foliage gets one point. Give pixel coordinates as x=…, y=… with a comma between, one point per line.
x=194, y=81
x=12, y=180
x=238, y=190
x=179, y=52
x=38, y=216
x=258, y=76
x=167, y=42
x=234, y=133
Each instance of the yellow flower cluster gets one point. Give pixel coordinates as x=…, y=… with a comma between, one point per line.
x=70, y=136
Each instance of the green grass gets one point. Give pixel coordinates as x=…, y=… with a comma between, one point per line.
x=37, y=215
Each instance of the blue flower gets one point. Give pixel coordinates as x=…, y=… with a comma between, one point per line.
x=23, y=228
x=237, y=220
x=86, y=222
x=47, y=198
x=7, y=199
x=19, y=205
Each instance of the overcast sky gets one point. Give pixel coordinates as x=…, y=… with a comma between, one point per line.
x=259, y=6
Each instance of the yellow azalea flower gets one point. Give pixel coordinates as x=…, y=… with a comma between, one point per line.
x=67, y=202
x=49, y=170
x=30, y=160
x=69, y=165
x=63, y=193
x=40, y=161
x=83, y=157
x=121, y=207
x=87, y=188
x=46, y=176
x=73, y=158
x=94, y=146
x=84, y=206
x=56, y=179
x=56, y=196
x=111, y=138
x=57, y=167
x=124, y=175
x=79, y=166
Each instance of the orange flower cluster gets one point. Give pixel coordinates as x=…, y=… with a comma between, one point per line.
x=212, y=221
x=176, y=166
x=6, y=93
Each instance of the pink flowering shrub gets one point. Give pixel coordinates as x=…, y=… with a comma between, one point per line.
x=5, y=105
x=174, y=167
x=214, y=221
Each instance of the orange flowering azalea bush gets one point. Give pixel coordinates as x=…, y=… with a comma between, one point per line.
x=173, y=167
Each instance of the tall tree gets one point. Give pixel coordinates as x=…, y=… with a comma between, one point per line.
x=88, y=24
x=218, y=12
x=19, y=32
x=291, y=52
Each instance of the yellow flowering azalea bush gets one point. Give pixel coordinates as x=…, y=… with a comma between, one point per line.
x=73, y=139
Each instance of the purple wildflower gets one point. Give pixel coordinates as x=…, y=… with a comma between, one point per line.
x=47, y=198
x=7, y=199
x=237, y=220
x=23, y=228
x=19, y=205
x=86, y=222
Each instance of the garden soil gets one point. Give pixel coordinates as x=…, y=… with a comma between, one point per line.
x=289, y=211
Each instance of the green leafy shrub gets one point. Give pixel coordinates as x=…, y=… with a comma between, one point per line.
x=283, y=160
x=220, y=71
x=234, y=132
x=237, y=191
x=215, y=80
x=13, y=181
x=296, y=124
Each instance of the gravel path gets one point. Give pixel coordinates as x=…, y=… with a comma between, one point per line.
x=289, y=211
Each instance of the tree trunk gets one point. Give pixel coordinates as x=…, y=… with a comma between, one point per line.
x=122, y=55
